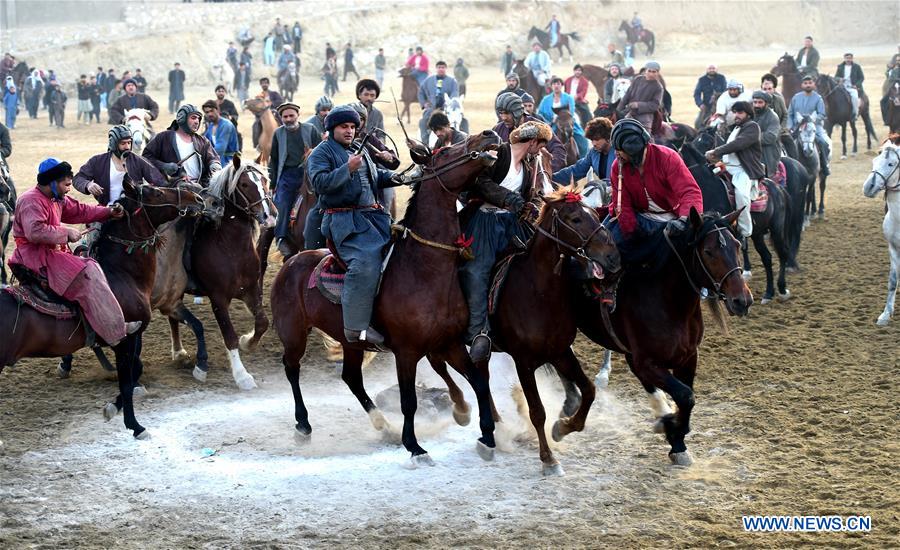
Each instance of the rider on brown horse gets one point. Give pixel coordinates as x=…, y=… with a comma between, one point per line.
x=512, y=85
x=182, y=151
x=511, y=113
x=347, y=183
x=499, y=200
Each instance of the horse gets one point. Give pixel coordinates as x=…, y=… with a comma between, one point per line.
x=786, y=69
x=810, y=157
x=289, y=81
x=564, y=129
x=420, y=307
x=597, y=76
x=607, y=110
x=528, y=82
x=885, y=176
x=260, y=107
x=839, y=111
x=543, y=38
x=706, y=111
x=772, y=221
x=7, y=210
x=138, y=122
x=647, y=37
x=409, y=91
x=890, y=108
x=19, y=73
x=126, y=251
x=664, y=301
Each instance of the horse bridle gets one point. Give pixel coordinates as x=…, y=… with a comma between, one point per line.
x=717, y=285
x=429, y=172
x=145, y=242
x=247, y=208
x=579, y=250
x=891, y=173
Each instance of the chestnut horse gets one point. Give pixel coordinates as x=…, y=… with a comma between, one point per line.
x=261, y=107
x=658, y=323
x=420, y=308
x=786, y=69
x=647, y=37
x=543, y=37
x=409, y=92
x=126, y=250
x=565, y=132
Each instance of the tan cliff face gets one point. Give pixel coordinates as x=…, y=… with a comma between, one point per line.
x=154, y=34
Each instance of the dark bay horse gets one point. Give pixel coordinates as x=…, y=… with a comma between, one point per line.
x=528, y=82
x=409, y=92
x=839, y=111
x=126, y=251
x=543, y=37
x=420, y=307
x=7, y=209
x=658, y=322
x=565, y=131
x=647, y=37
x=597, y=76
x=786, y=69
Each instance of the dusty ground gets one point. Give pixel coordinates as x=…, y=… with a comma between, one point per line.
x=794, y=415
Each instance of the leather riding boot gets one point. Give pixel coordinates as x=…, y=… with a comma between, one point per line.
x=369, y=335
x=284, y=248
x=481, y=348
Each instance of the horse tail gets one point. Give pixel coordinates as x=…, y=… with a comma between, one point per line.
x=796, y=184
x=652, y=43
x=574, y=36
x=867, y=121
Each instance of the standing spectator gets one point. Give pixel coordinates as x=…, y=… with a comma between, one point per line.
x=297, y=35
x=231, y=57
x=418, y=65
x=286, y=38
x=101, y=85
x=242, y=82
x=329, y=73
x=95, y=99
x=380, y=66
x=461, y=74
x=108, y=84
x=615, y=56
x=277, y=39
x=329, y=51
x=226, y=107
x=126, y=76
x=56, y=104
x=11, y=104
x=112, y=97
x=577, y=87
x=34, y=88
x=141, y=81
x=349, y=67
x=176, y=88
x=84, y=100
x=247, y=58
x=220, y=132
x=507, y=60
x=269, y=50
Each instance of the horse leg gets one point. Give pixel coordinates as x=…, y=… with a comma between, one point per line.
x=462, y=412
x=406, y=377
x=747, y=272
x=843, y=141
x=64, y=368
x=674, y=426
x=569, y=366
x=759, y=243
x=262, y=248
x=351, y=374
x=573, y=394
x=477, y=375
x=525, y=369
x=126, y=353
x=254, y=302
x=294, y=350
x=822, y=179
x=888, y=312
x=855, y=137
x=243, y=378
x=602, y=378
x=658, y=402
x=184, y=315
x=782, y=250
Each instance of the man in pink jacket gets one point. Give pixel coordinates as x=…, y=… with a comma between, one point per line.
x=418, y=63
x=41, y=246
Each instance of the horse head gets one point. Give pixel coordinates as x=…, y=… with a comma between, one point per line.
x=456, y=166
x=157, y=205
x=257, y=105
x=806, y=134
x=885, y=174
x=533, y=32
x=784, y=65
x=578, y=232
x=706, y=139
x=243, y=187
x=565, y=124
x=715, y=258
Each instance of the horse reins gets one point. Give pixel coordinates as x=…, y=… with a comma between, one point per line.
x=717, y=285
x=144, y=242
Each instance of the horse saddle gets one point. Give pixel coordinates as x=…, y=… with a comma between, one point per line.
x=328, y=275
x=758, y=204
x=34, y=291
x=295, y=209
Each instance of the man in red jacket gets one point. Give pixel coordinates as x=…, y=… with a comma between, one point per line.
x=650, y=185
x=577, y=87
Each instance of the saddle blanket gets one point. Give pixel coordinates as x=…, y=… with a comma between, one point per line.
x=328, y=276
x=33, y=299
x=500, y=272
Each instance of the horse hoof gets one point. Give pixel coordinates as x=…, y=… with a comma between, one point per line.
x=1, y=446
x=552, y=470
x=784, y=297
x=138, y=392
x=418, y=461
x=180, y=356
x=61, y=371
x=379, y=422
x=602, y=379
x=883, y=321
x=765, y=301
x=199, y=374
x=110, y=411
x=244, y=342
x=302, y=436
x=556, y=432
x=681, y=459
x=246, y=382
x=747, y=274
x=143, y=436
x=486, y=453
x=462, y=417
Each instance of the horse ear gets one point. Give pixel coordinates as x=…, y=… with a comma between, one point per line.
x=236, y=161
x=695, y=218
x=732, y=218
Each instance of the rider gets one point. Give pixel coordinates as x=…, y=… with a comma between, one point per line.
x=708, y=87
x=220, y=132
x=41, y=246
x=367, y=91
x=511, y=113
x=446, y=135
x=637, y=25
x=769, y=84
x=226, y=107
x=132, y=100
x=556, y=100
x=417, y=64
x=644, y=97
x=529, y=106
x=500, y=198
x=613, y=78
x=323, y=107
x=103, y=175
x=599, y=158
x=577, y=87
x=851, y=76
x=770, y=133
x=650, y=187
x=432, y=95
x=346, y=184
x=538, y=62
x=553, y=28
x=615, y=56
x=723, y=105
x=181, y=151
x=808, y=58
x=286, y=58
x=742, y=155
x=291, y=144
x=512, y=85
x=809, y=103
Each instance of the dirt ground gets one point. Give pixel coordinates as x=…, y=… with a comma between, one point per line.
x=793, y=416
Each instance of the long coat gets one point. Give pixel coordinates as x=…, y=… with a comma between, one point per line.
x=746, y=145
x=96, y=170
x=162, y=149
x=176, y=85
x=125, y=102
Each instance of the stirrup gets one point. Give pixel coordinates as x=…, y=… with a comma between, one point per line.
x=481, y=348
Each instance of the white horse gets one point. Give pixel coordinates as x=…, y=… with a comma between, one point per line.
x=885, y=176
x=138, y=122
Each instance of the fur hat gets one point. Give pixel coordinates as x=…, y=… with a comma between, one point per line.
x=531, y=130
x=51, y=170
x=340, y=115
x=288, y=105
x=368, y=84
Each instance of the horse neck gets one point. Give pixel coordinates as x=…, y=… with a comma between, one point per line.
x=537, y=267
x=268, y=120
x=892, y=199
x=140, y=263
x=435, y=217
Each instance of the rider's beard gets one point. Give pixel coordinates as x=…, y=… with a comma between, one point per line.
x=292, y=126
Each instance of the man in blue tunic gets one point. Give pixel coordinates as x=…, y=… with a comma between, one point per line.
x=347, y=183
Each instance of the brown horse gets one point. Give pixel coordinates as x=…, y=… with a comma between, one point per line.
x=786, y=69
x=528, y=82
x=409, y=92
x=565, y=131
x=597, y=76
x=839, y=112
x=126, y=250
x=543, y=37
x=261, y=107
x=647, y=37
x=890, y=108
x=420, y=308
x=658, y=323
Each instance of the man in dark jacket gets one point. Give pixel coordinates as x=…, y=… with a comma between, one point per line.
x=140, y=81
x=644, y=97
x=181, y=152
x=742, y=155
x=176, y=88
x=102, y=175
x=446, y=135
x=132, y=100
x=511, y=113
x=808, y=58
x=707, y=90
x=512, y=85
x=851, y=76
x=770, y=131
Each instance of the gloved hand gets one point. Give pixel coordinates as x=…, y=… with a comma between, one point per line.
x=170, y=168
x=529, y=212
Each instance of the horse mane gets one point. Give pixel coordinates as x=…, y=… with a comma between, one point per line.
x=225, y=181
x=558, y=195
x=409, y=217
